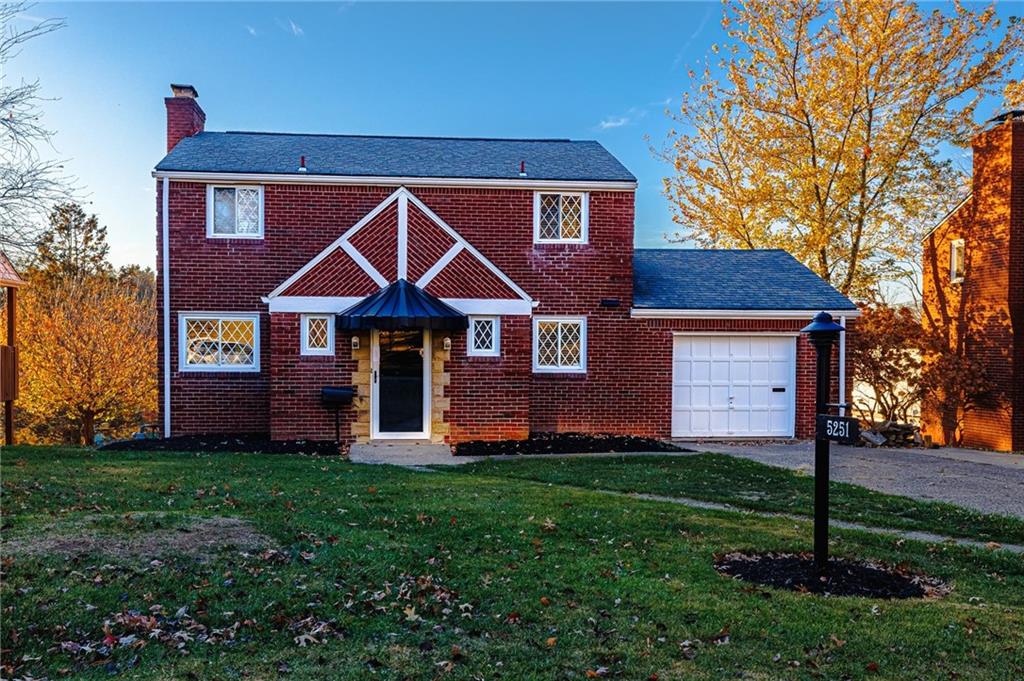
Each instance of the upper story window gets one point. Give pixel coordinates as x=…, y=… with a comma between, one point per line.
x=317, y=334
x=560, y=218
x=234, y=212
x=956, y=261
x=219, y=342
x=560, y=345
x=483, y=337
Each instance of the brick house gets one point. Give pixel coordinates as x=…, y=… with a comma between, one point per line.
x=466, y=288
x=973, y=291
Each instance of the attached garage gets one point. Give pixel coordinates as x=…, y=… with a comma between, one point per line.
x=733, y=385
x=728, y=323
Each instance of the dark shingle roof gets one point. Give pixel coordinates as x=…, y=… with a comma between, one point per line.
x=355, y=155
x=693, y=279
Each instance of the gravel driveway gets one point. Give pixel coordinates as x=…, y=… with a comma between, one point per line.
x=985, y=481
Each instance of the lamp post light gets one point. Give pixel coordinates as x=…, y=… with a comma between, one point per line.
x=822, y=333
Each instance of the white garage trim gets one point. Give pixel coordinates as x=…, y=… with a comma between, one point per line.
x=709, y=411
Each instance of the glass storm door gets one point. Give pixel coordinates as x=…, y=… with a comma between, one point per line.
x=400, y=382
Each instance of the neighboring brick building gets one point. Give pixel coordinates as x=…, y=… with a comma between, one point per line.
x=466, y=288
x=973, y=290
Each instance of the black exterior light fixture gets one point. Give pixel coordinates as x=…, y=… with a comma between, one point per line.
x=823, y=333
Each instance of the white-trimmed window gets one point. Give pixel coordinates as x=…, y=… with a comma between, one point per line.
x=234, y=212
x=219, y=342
x=484, y=337
x=317, y=334
x=560, y=344
x=956, y=261
x=560, y=217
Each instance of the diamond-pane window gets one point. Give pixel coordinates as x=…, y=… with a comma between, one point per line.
x=317, y=335
x=213, y=343
x=561, y=217
x=560, y=345
x=483, y=336
x=237, y=211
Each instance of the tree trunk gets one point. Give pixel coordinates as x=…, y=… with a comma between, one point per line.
x=88, y=427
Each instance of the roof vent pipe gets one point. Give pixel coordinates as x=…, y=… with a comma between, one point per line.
x=302, y=164
x=522, y=169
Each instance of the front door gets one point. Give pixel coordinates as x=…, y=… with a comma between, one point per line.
x=400, y=394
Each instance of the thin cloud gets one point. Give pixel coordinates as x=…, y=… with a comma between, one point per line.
x=291, y=27
x=693, y=36
x=613, y=122
x=630, y=116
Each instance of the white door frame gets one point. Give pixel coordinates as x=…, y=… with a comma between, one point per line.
x=375, y=432
x=795, y=335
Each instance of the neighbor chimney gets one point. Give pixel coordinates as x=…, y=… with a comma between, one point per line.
x=184, y=115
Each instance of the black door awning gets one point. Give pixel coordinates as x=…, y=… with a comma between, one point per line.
x=402, y=305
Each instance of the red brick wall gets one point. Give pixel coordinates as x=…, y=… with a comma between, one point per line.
x=984, y=314
x=490, y=396
x=627, y=387
x=296, y=380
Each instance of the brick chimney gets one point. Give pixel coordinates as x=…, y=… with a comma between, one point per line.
x=184, y=115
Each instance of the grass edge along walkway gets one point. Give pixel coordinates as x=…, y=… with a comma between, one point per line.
x=749, y=485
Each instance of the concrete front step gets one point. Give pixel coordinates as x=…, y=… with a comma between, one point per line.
x=402, y=453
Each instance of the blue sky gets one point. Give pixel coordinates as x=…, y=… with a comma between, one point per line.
x=584, y=71
x=603, y=71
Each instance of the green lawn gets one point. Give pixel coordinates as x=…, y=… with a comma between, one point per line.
x=755, y=486
x=379, y=572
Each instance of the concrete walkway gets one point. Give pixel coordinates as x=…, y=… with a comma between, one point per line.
x=989, y=482
x=840, y=524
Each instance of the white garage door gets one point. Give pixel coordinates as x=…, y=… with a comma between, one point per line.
x=733, y=386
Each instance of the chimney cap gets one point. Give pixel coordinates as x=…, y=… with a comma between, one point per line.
x=179, y=90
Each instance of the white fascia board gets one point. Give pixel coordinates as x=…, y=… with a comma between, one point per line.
x=489, y=306
x=651, y=313
x=523, y=183
x=311, y=304
x=336, y=304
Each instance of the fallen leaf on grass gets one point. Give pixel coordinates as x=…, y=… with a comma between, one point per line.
x=305, y=639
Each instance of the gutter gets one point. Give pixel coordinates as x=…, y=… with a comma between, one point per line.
x=668, y=313
x=309, y=178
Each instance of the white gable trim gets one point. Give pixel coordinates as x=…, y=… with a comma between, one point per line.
x=469, y=247
x=364, y=264
x=403, y=236
x=336, y=244
x=442, y=262
x=336, y=304
x=402, y=196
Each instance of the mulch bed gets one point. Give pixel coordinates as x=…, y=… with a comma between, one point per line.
x=564, y=443
x=795, y=571
x=226, y=443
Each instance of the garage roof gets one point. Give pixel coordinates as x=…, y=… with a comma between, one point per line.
x=697, y=279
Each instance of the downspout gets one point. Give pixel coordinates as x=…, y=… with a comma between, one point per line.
x=842, y=365
x=166, y=253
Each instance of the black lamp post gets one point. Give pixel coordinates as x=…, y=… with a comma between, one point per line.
x=822, y=332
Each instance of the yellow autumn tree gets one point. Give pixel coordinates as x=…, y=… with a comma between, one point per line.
x=88, y=356
x=818, y=128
